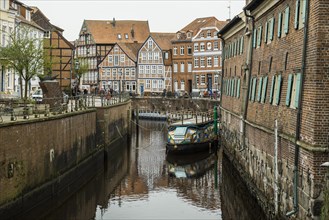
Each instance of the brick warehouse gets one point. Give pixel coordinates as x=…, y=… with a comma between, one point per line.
x=275, y=70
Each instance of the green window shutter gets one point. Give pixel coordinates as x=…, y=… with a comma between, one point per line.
x=254, y=38
x=259, y=93
x=298, y=91
x=250, y=88
x=278, y=91
x=241, y=45
x=238, y=47
x=232, y=87
x=286, y=20
x=297, y=14
x=259, y=39
x=279, y=24
x=272, y=89
x=254, y=89
x=288, y=97
x=265, y=34
x=304, y=11
x=272, y=29
x=238, y=89
x=264, y=89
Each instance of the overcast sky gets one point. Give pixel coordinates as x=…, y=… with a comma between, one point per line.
x=163, y=16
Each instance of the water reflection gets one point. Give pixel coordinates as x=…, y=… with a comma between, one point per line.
x=149, y=192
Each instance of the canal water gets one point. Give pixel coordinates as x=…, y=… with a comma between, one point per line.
x=139, y=181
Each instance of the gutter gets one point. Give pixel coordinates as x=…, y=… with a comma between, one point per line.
x=249, y=69
x=298, y=127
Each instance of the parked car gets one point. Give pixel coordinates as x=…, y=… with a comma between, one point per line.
x=37, y=95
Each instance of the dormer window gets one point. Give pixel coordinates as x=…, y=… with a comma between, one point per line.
x=208, y=34
x=28, y=15
x=202, y=35
x=178, y=35
x=119, y=36
x=126, y=36
x=46, y=34
x=189, y=34
x=150, y=44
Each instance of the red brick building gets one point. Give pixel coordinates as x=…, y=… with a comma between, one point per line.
x=275, y=70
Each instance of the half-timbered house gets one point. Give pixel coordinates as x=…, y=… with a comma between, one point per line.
x=97, y=37
x=59, y=49
x=154, y=64
x=118, y=68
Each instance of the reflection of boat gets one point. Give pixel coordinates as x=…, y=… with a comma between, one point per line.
x=190, y=166
x=190, y=136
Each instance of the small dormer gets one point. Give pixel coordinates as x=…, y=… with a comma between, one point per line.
x=189, y=34
x=178, y=34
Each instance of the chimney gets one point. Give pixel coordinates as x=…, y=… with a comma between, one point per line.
x=132, y=31
x=113, y=22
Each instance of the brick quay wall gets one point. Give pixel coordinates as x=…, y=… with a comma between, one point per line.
x=41, y=157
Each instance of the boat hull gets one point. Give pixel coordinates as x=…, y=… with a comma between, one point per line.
x=191, y=147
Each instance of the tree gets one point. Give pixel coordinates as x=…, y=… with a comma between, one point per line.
x=80, y=69
x=25, y=55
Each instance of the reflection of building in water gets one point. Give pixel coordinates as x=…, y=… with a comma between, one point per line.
x=148, y=171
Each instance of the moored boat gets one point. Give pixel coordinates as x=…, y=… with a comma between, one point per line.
x=189, y=136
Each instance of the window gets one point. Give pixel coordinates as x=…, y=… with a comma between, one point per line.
x=196, y=47
x=4, y=4
x=279, y=24
x=182, y=85
x=259, y=91
x=120, y=71
x=160, y=69
x=150, y=44
x=196, y=62
x=110, y=58
x=181, y=50
x=182, y=69
x=154, y=84
x=209, y=46
x=143, y=56
x=253, y=90
x=215, y=61
x=197, y=79
x=114, y=73
x=259, y=39
x=202, y=46
x=116, y=60
x=209, y=61
x=175, y=67
x=126, y=36
x=175, y=50
x=215, y=45
x=202, y=62
x=141, y=69
x=154, y=69
x=286, y=21
x=119, y=36
x=254, y=38
x=208, y=34
x=300, y=13
x=202, y=35
x=189, y=34
x=166, y=55
x=189, y=67
x=147, y=69
x=293, y=90
x=122, y=58
x=160, y=83
x=148, y=84
x=275, y=90
x=203, y=79
x=156, y=55
x=264, y=88
x=127, y=71
x=46, y=34
x=150, y=56
x=189, y=50
x=269, y=30
x=133, y=70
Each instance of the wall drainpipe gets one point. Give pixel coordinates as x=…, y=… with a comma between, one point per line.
x=296, y=160
x=249, y=68
x=221, y=79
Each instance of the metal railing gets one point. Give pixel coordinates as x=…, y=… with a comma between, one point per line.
x=15, y=109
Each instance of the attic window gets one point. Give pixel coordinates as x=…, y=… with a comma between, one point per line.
x=119, y=36
x=178, y=35
x=189, y=34
x=126, y=36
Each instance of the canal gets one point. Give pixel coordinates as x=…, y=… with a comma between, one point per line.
x=139, y=181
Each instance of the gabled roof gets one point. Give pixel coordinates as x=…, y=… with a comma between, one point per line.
x=106, y=31
x=199, y=23
x=163, y=39
x=131, y=49
x=36, y=10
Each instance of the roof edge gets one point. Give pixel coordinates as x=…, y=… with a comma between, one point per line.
x=253, y=5
x=229, y=25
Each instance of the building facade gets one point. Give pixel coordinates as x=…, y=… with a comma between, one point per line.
x=97, y=37
x=197, y=56
x=7, y=24
x=118, y=68
x=274, y=103
x=58, y=48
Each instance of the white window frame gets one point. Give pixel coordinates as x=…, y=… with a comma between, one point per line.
x=182, y=67
x=182, y=50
